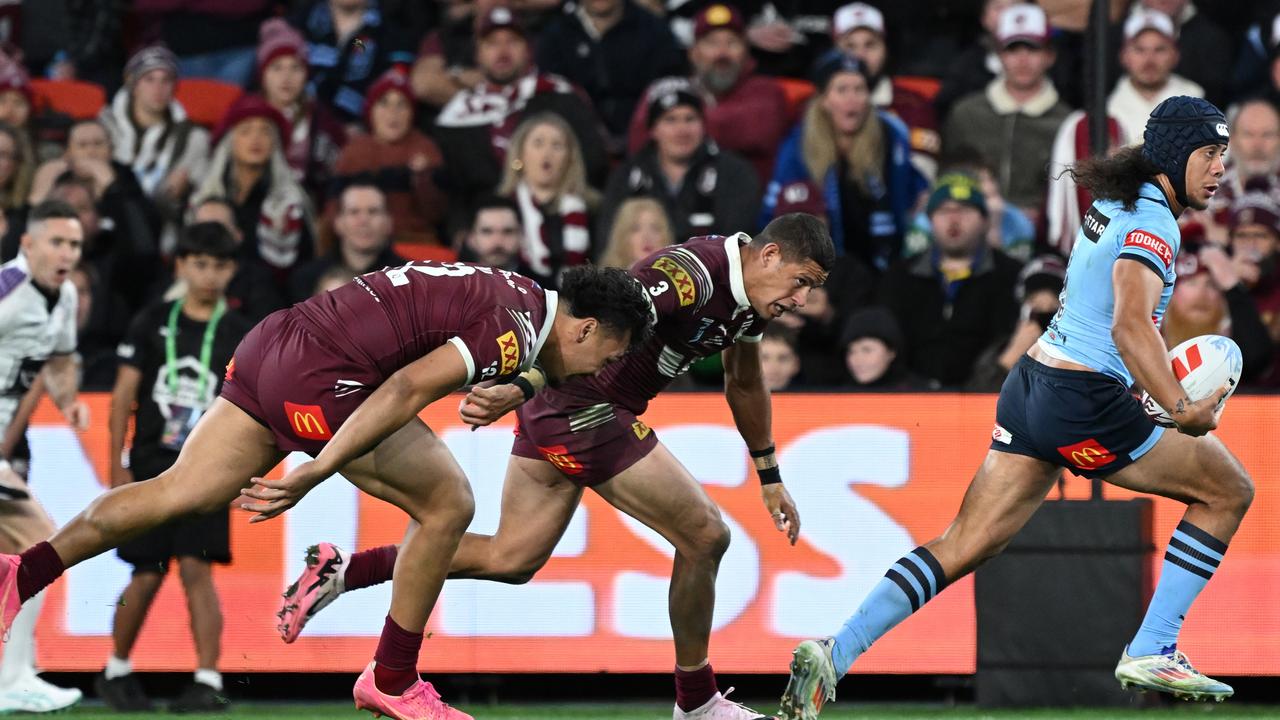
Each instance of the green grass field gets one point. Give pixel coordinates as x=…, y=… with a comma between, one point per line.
x=640, y=711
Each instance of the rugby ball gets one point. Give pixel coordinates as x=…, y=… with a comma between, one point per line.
x=1202, y=364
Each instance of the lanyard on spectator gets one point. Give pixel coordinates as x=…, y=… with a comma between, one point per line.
x=206, y=346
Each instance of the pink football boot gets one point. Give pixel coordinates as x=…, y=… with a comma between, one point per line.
x=419, y=702
x=10, y=603
x=320, y=584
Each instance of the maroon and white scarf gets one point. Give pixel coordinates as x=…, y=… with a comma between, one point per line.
x=499, y=107
x=539, y=251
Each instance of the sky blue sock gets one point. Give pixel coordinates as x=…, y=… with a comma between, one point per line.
x=910, y=583
x=1191, y=559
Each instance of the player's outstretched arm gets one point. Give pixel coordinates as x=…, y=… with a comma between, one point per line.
x=748, y=399
x=389, y=408
x=1137, y=292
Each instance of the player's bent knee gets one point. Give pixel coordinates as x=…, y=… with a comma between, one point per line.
x=710, y=538
x=1237, y=492
x=448, y=511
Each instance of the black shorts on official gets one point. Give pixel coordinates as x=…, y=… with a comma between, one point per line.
x=206, y=537
x=1086, y=421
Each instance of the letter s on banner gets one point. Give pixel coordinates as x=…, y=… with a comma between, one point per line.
x=824, y=464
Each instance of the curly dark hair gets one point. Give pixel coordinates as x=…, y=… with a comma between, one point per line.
x=800, y=236
x=1118, y=177
x=611, y=296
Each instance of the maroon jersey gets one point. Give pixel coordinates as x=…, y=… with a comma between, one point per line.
x=701, y=303
x=392, y=317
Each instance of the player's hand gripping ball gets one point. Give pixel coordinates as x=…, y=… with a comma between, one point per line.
x=1203, y=365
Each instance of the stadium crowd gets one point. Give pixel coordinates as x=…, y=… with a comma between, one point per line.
x=336, y=136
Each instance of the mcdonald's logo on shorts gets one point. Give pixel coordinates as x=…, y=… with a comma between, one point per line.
x=509, y=348
x=307, y=421
x=559, y=456
x=1087, y=455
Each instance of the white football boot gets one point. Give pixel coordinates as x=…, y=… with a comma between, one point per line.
x=1171, y=674
x=720, y=707
x=813, y=680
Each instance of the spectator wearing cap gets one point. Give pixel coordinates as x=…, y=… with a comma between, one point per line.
x=1148, y=56
x=640, y=229
x=872, y=348
x=1206, y=51
x=703, y=188
x=859, y=156
x=316, y=136
x=398, y=158
x=745, y=112
x=545, y=176
x=612, y=49
x=1253, y=165
x=1254, y=224
x=956, y=298
x=1009, y=230
x=1210, y=298
x=1014, y=120
x=973, y=69
x=858, y=29
x=211, y=38
x=1039, y=285
x=350, y=45
x=151, y=134
x=248, y=168
x=475, y=127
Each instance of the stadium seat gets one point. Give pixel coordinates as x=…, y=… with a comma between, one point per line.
x=418, y=251
x=206, y=101
x=797, y=93
x=80, y=99
x=922, y=85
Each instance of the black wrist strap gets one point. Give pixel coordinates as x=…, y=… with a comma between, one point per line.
x=525, y=386
x=763, y=453
x=769, y=476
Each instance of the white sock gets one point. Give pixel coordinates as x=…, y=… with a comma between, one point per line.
x=19, y=657
x=117, y=668
x=212, y=678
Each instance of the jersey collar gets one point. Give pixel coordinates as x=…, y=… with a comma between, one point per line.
x=553, y=301
x=732, y=248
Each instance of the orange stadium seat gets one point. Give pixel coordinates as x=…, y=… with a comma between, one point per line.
x=77, y=98
x=797, y=93
x=206, y=101
x=921, y=85
x=418, y=251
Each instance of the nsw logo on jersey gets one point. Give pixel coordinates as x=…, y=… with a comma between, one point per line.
x=1151, y=243
x=680, y=279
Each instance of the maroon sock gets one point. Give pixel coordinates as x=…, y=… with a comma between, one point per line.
x=695, y=687
x=396, y=660
x=370, y=567
x=39, y=568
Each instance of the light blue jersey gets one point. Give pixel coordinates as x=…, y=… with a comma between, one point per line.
x=1081, y=331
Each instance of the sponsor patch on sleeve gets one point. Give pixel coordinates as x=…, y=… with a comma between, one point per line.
x=680, y=279
x=1152, y=243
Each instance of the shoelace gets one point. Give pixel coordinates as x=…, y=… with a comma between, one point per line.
x=1184, y=662
x=725, y=696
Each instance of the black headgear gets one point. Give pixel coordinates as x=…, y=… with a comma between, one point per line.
x=1178, y=127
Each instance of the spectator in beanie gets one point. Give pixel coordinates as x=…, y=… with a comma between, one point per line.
x=1148, y=56
x=399, y=159
x=474, y=128
x=248, y=168
x=150, y=133
x=350, y=46
x=859, y=31
x=612, y=49
x=1039, y=285
x=1013, y=121
x=745, y=112
x=702, y=188
x=955, y=299
x=859, y=157
x=1254, y=224
x=315, y=135
x=545, y=177
x=872, y=344
x=1210, y=298
x=640, y=229
x=1010, y=229
x=779, y=363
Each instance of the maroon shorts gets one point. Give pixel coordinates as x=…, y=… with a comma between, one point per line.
x=589, y=442
x=295, y=383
